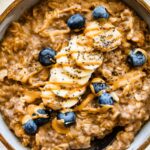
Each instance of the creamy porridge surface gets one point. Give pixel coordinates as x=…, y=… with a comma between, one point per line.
x=72, y=71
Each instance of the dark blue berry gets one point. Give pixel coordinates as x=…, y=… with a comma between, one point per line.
x=105, y=99
x=47, y=56
x=30, y=127
x=69, y=118
x=136, y=59
x=76, y=21
x=100, y=12
x=99, y=87
x=40, y=121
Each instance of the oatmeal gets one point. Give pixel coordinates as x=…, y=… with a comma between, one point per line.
x=75, y=71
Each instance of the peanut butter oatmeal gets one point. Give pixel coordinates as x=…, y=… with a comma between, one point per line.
x=74, y=71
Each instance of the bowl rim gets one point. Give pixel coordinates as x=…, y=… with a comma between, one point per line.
x=144, y=3
x=5, y=143
x=9, y=9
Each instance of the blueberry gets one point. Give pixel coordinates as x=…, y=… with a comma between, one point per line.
x=99, y=87
x=76, y=21
x=100, y=12
x=40, y=121
x=47, y=56
x=136, y=58
x=105, y=99
x=30, y=127
x=68, y=117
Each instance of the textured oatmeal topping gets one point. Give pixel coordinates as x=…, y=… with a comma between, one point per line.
x=74, y=71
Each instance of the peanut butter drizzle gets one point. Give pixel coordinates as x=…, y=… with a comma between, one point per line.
x=85, y=102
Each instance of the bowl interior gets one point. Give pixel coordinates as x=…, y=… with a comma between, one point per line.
x=14, y=15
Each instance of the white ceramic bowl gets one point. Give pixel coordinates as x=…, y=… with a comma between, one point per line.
x=13, y=12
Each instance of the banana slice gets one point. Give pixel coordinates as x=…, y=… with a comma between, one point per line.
x=89, y=61
x=62, y=57
x=68, y=92
x=90, y=67
x=92, y=29
x=108, y=40
x=70, y=103
x=58, y=76
x=105, y=37
x=54, y=102
x=80, y=44
x=76, y=71
x=50, y=99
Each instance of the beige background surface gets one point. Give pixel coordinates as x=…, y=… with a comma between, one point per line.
x=4, y=4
